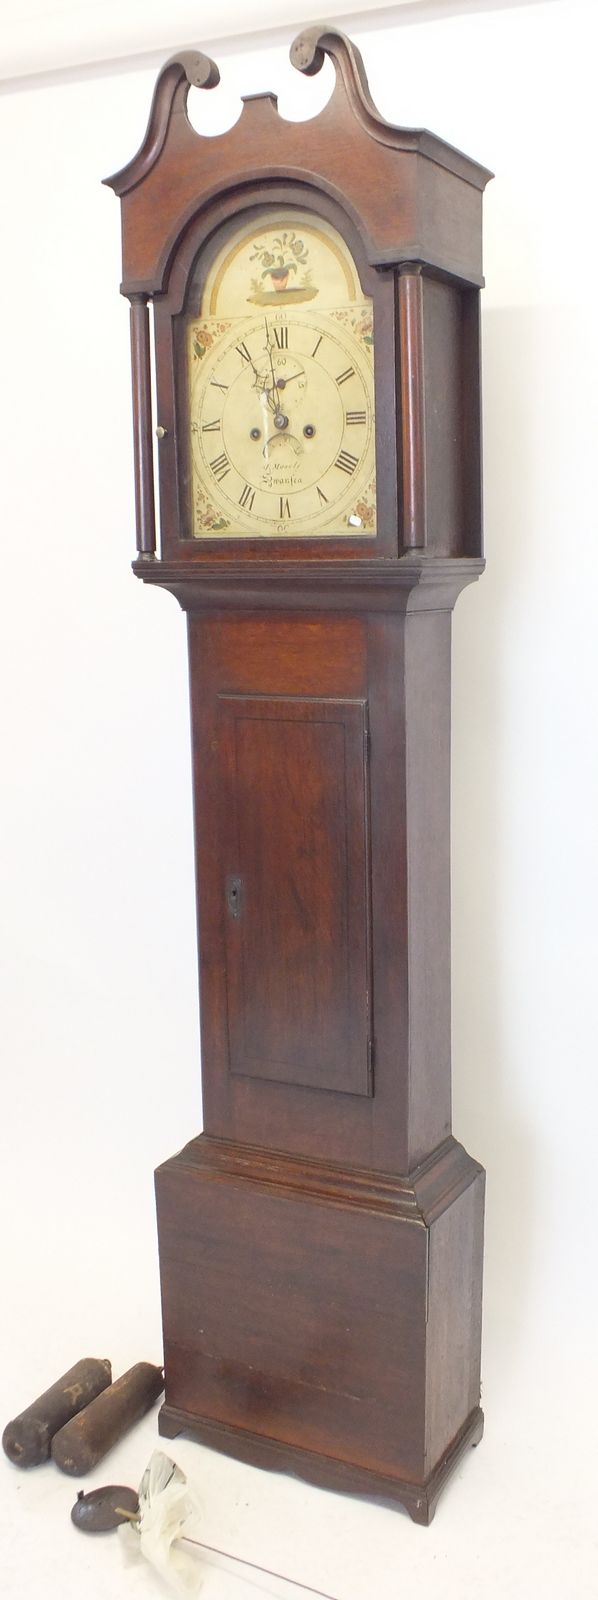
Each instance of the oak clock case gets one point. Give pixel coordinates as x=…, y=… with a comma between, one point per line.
x=315, y=293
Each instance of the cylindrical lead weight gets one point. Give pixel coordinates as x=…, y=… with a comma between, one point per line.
x=27, y=1439
x=87, y=1438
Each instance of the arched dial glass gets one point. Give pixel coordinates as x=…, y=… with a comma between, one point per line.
x=281, y=386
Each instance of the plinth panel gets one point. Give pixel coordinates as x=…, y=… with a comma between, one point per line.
x=294, y=1318
x=302, y=1316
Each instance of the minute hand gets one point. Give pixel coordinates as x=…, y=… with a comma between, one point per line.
x=272, y=392
x=269, y=349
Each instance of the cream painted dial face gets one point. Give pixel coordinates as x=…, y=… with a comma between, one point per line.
x=281, y=391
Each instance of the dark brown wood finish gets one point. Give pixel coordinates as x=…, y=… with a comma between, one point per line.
x=412, y=410
x=349, y=151
x=402, y=667
x=297, y=961
x=321, y=1241
x=145, y=515
x=371, y=1283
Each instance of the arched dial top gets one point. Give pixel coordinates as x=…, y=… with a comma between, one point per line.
x=279, y=347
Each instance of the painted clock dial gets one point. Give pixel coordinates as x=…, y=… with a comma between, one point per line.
x=280, y=363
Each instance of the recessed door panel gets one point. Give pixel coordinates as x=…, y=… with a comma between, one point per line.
x=296, y=891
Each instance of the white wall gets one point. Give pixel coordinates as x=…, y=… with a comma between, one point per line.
x=73, y=33
x=99, y=1030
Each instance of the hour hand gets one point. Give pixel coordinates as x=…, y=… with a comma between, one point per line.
x=269, y=352
x=262, y=381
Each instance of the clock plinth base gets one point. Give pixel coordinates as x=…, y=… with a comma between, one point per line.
x=420, y=1500
x=324, y=1321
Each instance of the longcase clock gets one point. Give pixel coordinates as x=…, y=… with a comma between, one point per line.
x=315, y=292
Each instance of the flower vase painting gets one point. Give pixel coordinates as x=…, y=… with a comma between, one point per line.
x=279, y=281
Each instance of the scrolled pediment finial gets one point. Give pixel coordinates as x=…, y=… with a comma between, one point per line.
x=310, y=48
x=308, y=53
x=183, y=71
x=200, y=71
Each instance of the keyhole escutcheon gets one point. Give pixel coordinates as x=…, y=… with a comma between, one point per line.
x=234, y=889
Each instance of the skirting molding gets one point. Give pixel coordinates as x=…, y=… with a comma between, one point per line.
x=420, y=1500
